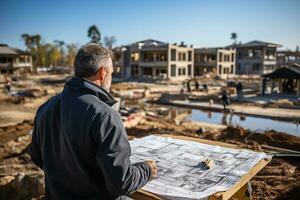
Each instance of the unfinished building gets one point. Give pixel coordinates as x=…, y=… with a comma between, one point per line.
x=13, y=60
x=287, y=58
x=255, y=58
x=285, y=80
x=155, y=59
x=214, y=61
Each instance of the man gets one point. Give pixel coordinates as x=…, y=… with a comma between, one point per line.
x=205, y=87
x=225, y=99
x=196, y=85
x=7, y=87
x=239, y=90
x=79, y=139
x=188, y=85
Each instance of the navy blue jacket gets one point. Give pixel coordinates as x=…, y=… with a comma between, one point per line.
x=81, y=144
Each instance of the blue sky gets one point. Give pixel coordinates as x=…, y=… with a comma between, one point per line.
x=204, y=23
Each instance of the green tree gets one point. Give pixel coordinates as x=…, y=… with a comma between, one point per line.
x=42, y=55
x=234, y=37
x=109, y=41
x=37, y=43
x=32, y=42
x=55, y=56
x=60, y=44
x=49, y=55
x=72, y=50
x=46, y=54
x=28, y=41
x=36, y=40
x=94, y=34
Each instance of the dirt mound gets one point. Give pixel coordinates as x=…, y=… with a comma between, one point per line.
x=271, y=138
x=277, y=139
x=126, y=86
x=233, y=133
x=22, y=186
x=8, y=133
x=19, y=177
x=277, y=180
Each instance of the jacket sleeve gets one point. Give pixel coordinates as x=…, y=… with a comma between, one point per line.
x=34, y=148
x=113, y=151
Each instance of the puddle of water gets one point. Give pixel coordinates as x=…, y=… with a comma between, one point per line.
x=248, y=122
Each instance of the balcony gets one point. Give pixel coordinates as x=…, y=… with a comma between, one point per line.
x=153, y=63
x=5, y=65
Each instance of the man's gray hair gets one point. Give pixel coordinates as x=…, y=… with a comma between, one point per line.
x=90, y=58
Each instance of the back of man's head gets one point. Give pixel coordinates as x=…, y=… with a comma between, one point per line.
x=90, y=58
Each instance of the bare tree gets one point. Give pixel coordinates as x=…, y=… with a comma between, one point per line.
x=109, y=41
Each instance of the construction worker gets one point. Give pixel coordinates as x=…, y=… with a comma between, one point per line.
x=7, y=86
x=188, y=85
x=205, y=87
x=225, y=99
x=196, y=85
x=79, y=139
x=239, y=90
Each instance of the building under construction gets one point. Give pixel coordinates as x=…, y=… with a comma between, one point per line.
x=286, y=58
x=286, y=79
x=155, y=59
x=13, y=60
x=255, y=57
x=215, y=61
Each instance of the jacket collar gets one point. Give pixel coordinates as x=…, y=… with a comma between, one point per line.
x=84, y=86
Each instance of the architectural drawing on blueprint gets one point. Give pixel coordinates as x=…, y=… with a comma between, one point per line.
x=180, y=173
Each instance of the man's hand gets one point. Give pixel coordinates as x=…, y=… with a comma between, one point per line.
x=153, y=168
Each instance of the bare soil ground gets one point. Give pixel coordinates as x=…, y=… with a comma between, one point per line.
x=21, y=179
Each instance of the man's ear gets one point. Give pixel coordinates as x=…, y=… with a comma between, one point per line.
x=102, y=74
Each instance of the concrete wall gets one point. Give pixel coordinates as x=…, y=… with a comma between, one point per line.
x=249, y=64
x=154, y=68
x=23, y=61
x=205, y=61
x=223, y=65
x=181, y=66
x=226, y=64
x=287, y=58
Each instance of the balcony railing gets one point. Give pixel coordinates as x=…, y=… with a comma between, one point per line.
x=5, y=65
x=156, y=63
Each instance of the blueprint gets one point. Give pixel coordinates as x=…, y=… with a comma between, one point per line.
x=180, y=174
